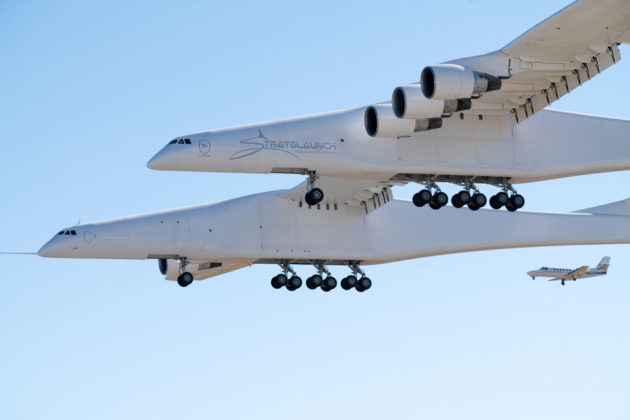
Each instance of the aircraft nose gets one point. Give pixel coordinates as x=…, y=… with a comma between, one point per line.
x=50, y=249
x=159, y=161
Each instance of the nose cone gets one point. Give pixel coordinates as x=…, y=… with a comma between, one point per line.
x=160, y=161
x=51, y=249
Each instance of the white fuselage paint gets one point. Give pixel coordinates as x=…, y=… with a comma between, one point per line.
x=267, y=228
x=551, y=144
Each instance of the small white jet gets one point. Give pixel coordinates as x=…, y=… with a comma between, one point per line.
x=564, y=274
x=471, y=121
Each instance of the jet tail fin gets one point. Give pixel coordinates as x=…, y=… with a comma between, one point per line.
x=603, y=264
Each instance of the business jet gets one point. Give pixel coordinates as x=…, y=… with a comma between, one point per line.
x=564, y=274
x=471, y=121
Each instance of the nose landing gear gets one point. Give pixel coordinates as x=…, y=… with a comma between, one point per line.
x=314, y=195
x=184, y=279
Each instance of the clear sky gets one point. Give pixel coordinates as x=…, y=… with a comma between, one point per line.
x=89, y=91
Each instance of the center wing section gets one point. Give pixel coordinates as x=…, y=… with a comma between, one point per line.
x=552, y=58
x=367, y=194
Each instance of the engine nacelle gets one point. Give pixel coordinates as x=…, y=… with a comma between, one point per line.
x=452, y=81
x=380, y=121
x=409, y=102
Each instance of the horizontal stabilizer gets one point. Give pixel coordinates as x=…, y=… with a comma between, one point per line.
x=618, y=208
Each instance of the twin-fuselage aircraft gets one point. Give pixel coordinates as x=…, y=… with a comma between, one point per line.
x=472, y=121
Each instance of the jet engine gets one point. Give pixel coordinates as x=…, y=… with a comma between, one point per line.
x=169, y=268
x=380, y=121
x=452, y=81
x=409, y=102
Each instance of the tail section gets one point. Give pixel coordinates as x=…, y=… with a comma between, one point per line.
x=603, y=264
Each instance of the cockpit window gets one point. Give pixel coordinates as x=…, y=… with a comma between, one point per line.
x=180, y=141
x=68, y=232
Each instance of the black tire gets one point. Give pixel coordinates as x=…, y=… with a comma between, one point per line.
x=479, y=200
x=317, y=195
x=279, y=281
x=364, y=284
x=434, y=206
x=502, y=198
x=348, y=282
x=417, y=200
x=517, y=201
x=510, y=207
x=425, y=195
x=440, y=199
x=314, y=281
x=457, y=202
x=494, y=203
x=309, y=199
x=329, y=283
x=464, y=196
x=294, y=283
x=473, y=206
x=185, y=279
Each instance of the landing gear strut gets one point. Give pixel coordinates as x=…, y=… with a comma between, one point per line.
x=362, y=284
x=318, y=280
x=185, y=278
x=313, y=195
x=512, y=203
x=435, y=200
x=281, y=280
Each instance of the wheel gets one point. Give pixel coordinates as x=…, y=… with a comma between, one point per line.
x=310, y=200
x=348, y=282
x=456, y=201
x=434, y=206
x=479, y=200
x=364, y=284
x=185, y=279
x=417, y=200
x=439, y=199
x=510, y=207
x=425, y=195
x=314, y=281
x=317, y=195
x=517, y=200
x=279, y=281
x=473, y=206
x=464, y=196
x=329, y=283
x=502, y=198
x=294, y=283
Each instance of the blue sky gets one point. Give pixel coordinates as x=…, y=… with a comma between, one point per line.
x=90, y=90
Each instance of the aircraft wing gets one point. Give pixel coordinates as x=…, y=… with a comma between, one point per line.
x=572, y=274
x=552, y=58
x=367, y=194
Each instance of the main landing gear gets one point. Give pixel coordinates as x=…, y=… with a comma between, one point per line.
x=323, y=279
x=435, y=200
x=314, y=195
x=470, y=196
x=185, y=278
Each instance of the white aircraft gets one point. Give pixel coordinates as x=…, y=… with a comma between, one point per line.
x=564, y=274
x=471, y=121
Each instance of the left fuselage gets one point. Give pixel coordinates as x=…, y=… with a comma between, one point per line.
x=549, y=145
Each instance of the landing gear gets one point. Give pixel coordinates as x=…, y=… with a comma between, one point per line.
x=314, y=281
x=281, y=280
x=460, y=199
x=421, y=198
x=329, y=283
x=512, y=203
x=435, y=200
x=562, y=282
x=351, y=281
x=314, y=195
x=184, y=279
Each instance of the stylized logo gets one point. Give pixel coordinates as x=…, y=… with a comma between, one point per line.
x=204, y=147
x=293, y=148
